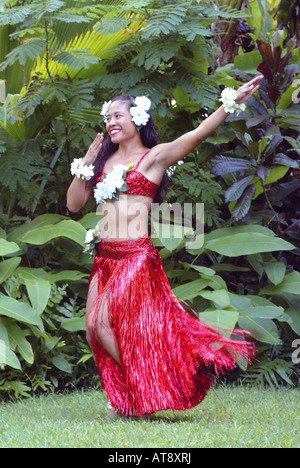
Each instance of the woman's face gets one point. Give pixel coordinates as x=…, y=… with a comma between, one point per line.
x=120, y=126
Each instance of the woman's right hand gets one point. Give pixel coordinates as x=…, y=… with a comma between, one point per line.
x=93, y=150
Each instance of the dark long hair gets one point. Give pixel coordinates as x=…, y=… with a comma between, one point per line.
x=149, y=137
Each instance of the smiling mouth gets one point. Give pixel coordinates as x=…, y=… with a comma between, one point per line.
x=114, y=132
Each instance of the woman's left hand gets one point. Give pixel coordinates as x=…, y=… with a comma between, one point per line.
x=246, y=91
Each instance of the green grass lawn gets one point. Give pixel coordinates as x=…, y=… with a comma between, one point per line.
x=233, y=417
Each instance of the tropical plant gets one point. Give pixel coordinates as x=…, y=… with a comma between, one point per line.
x=41, y=307
x=71, y=56
x=268, y=147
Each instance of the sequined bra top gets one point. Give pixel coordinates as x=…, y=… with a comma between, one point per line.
x=138, y=183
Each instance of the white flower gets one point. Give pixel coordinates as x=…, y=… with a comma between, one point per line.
x=90, y=236
x=80, y=170
x=139, y=116
x=104, y=110
x=111, y=184
x=143, y=102
x=102, y=192
x=228, y=97
x=91, y=239
x=242, y=108
x=115, y=179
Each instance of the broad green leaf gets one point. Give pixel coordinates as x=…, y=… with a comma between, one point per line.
x=228, y=267
x=61, y=364
x=262, y=330
x=239, y=302
x=90, y=220
x=75, y=324
x=38, y=290
x=66, y=228
x=225, y=320
x=19, y=311
x=3, y=331
x=8, y=247
x=275, y=271
x=247, y=244
x=7, y=267
x=292, y=311
x=202, y=269
x=259, y=301
x=171, y=235
x=290, y=284
x=219, y=296
x=264, y=312
x=8, y=357
x=190, y=290
x=40, y=221
x=251, y=228
x=52, y=277
x=248, y=62
x=215, y=282
x=17, y=338
x=276, y=173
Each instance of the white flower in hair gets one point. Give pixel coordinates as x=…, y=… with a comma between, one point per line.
x=104, y=110
x=139, y=116
x=143, y=102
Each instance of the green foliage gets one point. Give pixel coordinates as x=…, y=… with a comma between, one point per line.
x=42, y=323
x=270, y=146
x=66, y=59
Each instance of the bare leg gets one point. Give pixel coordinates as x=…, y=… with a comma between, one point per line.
x=98, y=325
x=98, y=321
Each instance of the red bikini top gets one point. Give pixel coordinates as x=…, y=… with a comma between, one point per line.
x=138, y=183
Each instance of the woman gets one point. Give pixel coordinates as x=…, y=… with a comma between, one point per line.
x=151, y=354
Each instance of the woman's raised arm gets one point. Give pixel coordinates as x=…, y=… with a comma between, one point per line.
x=168, y=154
x=78, y=194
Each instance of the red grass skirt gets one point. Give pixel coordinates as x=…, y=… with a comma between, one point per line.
x=165, y=352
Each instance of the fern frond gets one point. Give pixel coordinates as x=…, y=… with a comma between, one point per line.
x=153, y=54
x=272, y=373
x=76, y=59
x=31, y=49
x=164, y=21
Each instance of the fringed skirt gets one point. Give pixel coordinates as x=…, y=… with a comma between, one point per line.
x=167, y=355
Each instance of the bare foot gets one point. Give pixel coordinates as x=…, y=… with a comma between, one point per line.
x=114, y=414
x=140, y=418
